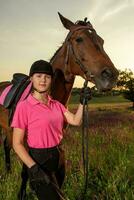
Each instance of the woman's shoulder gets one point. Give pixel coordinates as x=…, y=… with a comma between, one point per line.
x=57, y=102
x=23, y=103
x=60, y=105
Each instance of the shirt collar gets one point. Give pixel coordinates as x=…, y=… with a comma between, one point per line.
x=34, y=101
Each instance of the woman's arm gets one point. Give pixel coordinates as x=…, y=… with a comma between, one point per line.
x=18, y=146
x=74, y=119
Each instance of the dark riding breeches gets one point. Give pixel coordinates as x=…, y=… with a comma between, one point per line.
x=51, y=161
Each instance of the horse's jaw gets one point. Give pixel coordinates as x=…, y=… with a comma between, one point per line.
x=104, y=81
x=104, y=84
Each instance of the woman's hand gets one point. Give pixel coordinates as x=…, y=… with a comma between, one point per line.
x=76, y=119
x=37, y=175
x=85, y=95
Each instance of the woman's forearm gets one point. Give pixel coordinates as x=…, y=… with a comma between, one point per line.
x=78, y=115
x=23, y=155
x=74, y=119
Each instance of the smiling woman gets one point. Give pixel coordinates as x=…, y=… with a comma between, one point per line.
x=41, y=120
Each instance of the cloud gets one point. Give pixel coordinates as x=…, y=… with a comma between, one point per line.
x=115, y=10
x=103, y=10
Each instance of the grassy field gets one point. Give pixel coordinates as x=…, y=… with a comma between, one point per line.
x=111, y=155
x=101, y=100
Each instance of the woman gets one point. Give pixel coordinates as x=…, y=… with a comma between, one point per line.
x=41, y=119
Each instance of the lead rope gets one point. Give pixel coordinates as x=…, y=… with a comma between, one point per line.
x=59, y=192
x=85, y=140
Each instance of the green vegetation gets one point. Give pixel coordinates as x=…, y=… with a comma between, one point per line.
x=102, y=99
x=126, y=84
x=111, y=155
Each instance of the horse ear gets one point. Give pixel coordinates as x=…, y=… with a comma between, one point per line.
x=66, y=22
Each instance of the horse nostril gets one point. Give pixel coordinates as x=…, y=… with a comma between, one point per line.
x=106, y=73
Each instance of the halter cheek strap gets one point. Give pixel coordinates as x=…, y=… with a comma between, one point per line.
x=67, y=72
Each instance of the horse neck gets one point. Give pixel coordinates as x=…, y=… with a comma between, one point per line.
x=61, y=88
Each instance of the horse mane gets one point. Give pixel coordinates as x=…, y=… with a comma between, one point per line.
x=51, y=59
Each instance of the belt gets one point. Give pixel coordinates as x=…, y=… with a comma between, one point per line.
x=44, y=150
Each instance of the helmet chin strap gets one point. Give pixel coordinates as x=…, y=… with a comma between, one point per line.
x=39, y=91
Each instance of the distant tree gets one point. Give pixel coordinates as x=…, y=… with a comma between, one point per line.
x=129, y=92
x=126, y=84
x=76, y=91
x=124, y=77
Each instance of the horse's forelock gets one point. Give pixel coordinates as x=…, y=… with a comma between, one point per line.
x=83, y=23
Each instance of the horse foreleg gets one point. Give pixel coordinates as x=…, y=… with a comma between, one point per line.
x=24, y=177
x=7, y=149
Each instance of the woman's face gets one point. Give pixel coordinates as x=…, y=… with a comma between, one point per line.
x=41, y=81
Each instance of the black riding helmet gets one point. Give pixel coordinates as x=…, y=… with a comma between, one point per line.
x=41, y=66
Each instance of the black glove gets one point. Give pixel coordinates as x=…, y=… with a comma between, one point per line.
x=37, y=175
x=85, y=95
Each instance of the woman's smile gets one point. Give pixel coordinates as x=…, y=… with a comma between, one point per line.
x=43, y=85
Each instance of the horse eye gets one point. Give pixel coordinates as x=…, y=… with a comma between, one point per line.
x=79, y=39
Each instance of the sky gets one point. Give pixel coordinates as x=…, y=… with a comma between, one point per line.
x=31, y=30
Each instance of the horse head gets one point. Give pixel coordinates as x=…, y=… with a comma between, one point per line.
x=85, y=55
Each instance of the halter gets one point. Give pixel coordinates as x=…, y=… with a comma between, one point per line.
x=70, y=48
x=85, y=125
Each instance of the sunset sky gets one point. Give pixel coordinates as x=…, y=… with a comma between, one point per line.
x=31, y=30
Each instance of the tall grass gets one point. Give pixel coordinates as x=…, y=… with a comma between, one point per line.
x=111, y=155
x=111, y=159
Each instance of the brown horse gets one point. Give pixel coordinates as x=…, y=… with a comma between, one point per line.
x=81, y=54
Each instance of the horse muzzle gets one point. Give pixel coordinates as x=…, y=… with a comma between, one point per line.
x=105, y=81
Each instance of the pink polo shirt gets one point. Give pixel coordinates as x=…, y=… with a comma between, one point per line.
x=42, y=123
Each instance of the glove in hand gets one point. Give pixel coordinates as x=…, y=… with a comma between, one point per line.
x=37, y=175
x=85, y=95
